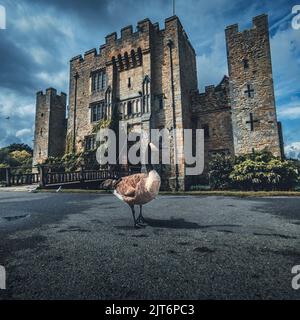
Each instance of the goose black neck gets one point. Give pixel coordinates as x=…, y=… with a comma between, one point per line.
x=149, y=167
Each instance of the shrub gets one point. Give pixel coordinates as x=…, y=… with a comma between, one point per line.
x=16, y=155
x=220, y=168
x=256, y=171
x=73, y=162
x=262, y=171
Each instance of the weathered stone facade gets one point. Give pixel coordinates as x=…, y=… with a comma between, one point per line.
x=214, y=117
x=138, y=68
x=150, y=78
x=50, y=125
x=254, y=117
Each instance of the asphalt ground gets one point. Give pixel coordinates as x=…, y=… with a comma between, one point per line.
x=84, y=246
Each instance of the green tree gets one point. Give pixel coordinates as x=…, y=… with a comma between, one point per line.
x=20, y=147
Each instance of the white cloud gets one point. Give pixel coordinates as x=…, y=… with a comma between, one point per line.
x=17, y=116
x=12, y=104
x=23, y=133
x=285, y=45
x=28, y=22
x=289, y=113
x=56, y=80
x=293, y=150
x=39, y=54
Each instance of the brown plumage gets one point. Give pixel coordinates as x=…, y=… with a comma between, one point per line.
x=137, y=189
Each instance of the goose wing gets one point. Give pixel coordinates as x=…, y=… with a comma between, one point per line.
x=127, y=187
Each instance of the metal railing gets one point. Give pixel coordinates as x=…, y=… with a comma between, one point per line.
x=46, y=177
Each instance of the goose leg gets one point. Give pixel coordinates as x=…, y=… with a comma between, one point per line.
x=141, y=219
x=134, y=219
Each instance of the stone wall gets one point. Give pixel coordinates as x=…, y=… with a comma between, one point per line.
x=50, y=125
x=144, y=54
x=211, y=111
x=151, y=82
x=173, y=60
x=122, y=59
x=252, y=94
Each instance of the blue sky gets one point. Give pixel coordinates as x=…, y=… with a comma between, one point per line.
x=42, y=36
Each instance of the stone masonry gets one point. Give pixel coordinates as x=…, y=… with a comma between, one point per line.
x=254, y=118
x=50, y=125
x=148, y=78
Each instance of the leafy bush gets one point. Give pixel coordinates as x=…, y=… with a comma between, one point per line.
x=220, y=168
x=16, y=155
x=19, y=147
x=261, y=171
x=256, y=171
x=73, y=162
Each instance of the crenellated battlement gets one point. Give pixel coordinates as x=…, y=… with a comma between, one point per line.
x=258, y=23
x=51, y=91
x=127, y=34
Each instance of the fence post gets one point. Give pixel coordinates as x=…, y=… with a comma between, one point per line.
x=7, y=176
x=42, y=174
x=81, y=174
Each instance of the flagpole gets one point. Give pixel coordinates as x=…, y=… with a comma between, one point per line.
x=173, y=7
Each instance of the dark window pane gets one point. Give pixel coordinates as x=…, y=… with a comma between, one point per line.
x=103, y=85
x=129, y=108
x=161, y=103
x=94, y=82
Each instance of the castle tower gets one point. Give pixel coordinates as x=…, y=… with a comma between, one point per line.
x=50, y=125
x=254, y=117
x=146, y=75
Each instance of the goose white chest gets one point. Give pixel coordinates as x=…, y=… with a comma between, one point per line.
x=153, y=183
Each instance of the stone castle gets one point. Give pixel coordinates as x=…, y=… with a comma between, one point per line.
x=148, y=78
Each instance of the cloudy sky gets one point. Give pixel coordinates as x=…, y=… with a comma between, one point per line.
x=41, y=37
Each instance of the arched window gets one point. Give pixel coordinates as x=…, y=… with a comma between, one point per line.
x=120, y=62
x=140, y=56
x=146, y=94
x=126, y=58
x=133, y=58
x=129, y=108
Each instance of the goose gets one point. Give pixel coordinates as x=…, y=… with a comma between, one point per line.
x=137, y=189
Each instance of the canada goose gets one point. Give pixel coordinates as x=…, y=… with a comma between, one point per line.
x=137, y=189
